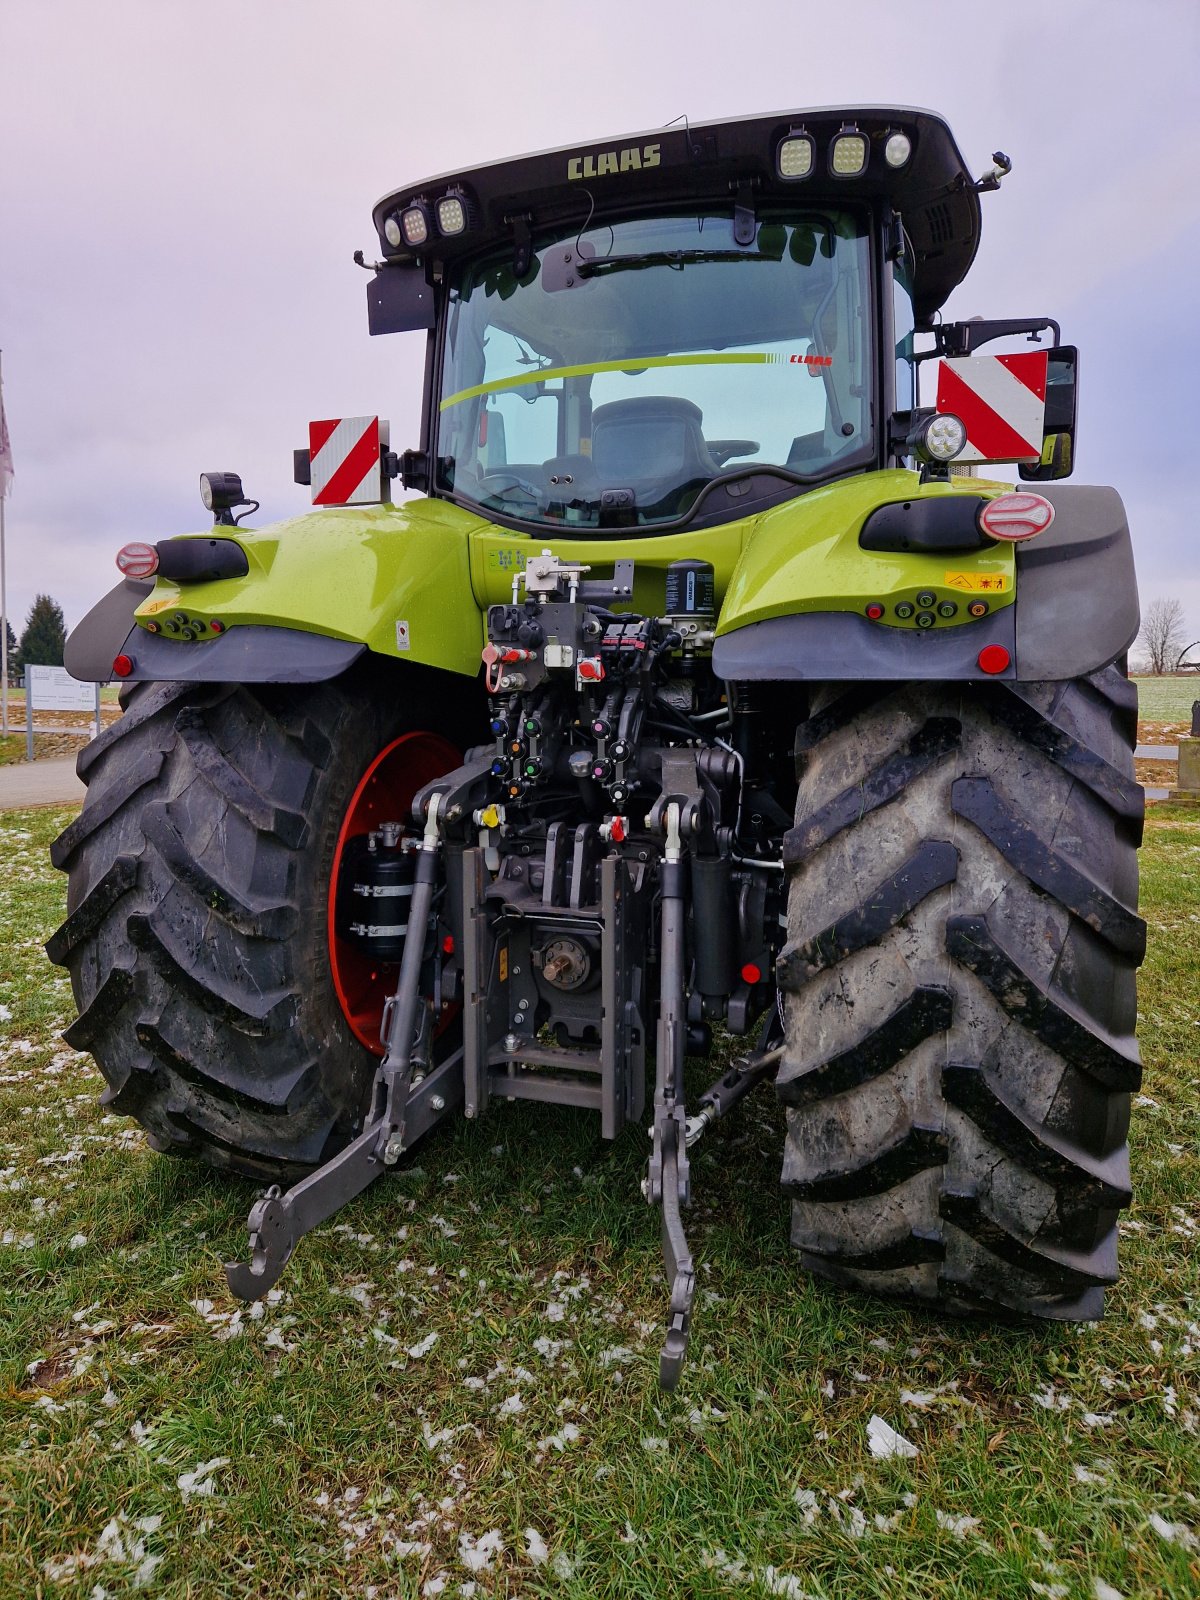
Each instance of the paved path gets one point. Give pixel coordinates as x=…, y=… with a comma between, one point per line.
x=39, y=783
x=1157, y=752
x=53, y=782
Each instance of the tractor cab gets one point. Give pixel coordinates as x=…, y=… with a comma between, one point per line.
x=680, y=330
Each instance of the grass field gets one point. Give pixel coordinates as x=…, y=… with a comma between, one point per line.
x=453, y=1391
x=1167, y=700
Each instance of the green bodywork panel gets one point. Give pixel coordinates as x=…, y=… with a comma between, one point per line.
x=353, y=573
x=413, y=581
x=804, y=556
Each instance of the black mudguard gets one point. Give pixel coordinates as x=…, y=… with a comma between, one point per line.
x=1076, y=610
x=1077, y=600
x=243, y=655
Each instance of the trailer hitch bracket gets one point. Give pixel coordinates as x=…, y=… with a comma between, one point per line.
x=401, y=1111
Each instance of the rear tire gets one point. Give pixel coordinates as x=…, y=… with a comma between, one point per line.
x=959, y=990
x=197, y=928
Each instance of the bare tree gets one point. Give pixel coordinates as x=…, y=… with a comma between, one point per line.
x=1162, y=634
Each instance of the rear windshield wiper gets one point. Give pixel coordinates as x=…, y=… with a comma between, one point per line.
x=598, y=266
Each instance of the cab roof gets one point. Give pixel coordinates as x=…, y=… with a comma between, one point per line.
x=712, y=162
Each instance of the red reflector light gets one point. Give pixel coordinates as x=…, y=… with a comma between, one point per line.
x=994, y=658
x=448, y=945
x=137, y=560
x=122, y=666
x=751, y=973
x=1016, y=516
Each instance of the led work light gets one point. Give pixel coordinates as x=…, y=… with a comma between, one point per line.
x=452, y=214
x=848, y=154
x=937, y=436
x=221, y=492
x=415, y=224
x=795, y=156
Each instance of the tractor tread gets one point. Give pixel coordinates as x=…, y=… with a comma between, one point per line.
x=1056, y=1267
x=938, y=736
x=926, y=1011
x=106, y=1004
x=260, y=916
x=917, y=1151
x=258, y=1013
x=1123, y=794
x=1077, y=1176
x=85, y=921
x=977, y=800
x=143, y=770
x=217, y=769
x=908, y=1250
x=196, y=927
x=933, y=865
x=960, y=1050
x=1048, y=1015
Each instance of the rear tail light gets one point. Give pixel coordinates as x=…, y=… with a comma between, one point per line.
x=122, y=666
x=138, y=560
x=1016, y=516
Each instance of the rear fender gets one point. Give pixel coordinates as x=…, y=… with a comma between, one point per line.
x=318, y=592
x=1068, y=604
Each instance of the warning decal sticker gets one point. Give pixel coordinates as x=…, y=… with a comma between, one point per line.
x=977, y=582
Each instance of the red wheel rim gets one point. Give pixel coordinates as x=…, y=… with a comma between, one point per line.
x=384, y=794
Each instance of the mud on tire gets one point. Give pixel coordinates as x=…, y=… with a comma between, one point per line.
x=959, y=990
x=196, y=932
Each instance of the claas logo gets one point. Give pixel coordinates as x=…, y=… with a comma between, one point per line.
x=635, y=158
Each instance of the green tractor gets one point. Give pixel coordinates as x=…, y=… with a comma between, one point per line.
x=708, y=694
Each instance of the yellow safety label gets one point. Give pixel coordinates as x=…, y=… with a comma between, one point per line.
x=503, y=963
x=977, y=582
x=149, y=607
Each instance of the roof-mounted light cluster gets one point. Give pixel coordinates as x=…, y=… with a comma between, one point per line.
x=847, y=155
x=421, y=221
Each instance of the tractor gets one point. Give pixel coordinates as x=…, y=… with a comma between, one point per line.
x=703, y=696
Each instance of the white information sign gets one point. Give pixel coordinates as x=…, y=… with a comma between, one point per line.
x=54, y=689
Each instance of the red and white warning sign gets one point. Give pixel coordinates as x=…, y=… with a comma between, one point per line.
x=1002, y=401
x=343, y=456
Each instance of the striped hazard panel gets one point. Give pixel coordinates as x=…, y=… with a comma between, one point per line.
x=343, y=455
x=1001, y=400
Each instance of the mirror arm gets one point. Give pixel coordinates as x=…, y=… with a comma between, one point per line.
x=963, y=338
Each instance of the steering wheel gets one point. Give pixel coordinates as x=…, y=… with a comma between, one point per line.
x=721, y=450
x=514, y=481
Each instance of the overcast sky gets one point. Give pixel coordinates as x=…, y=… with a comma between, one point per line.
x=182, y=186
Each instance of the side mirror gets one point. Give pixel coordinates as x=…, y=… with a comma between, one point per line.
x=1058, y=438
